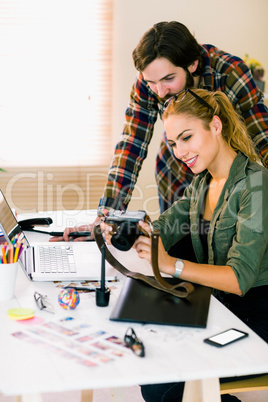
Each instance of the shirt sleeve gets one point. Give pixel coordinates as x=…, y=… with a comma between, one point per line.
x=249, y=102
x=132, y=147
x=249, y=245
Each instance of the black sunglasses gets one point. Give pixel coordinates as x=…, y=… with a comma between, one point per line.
x=134, y=343
x=186, y=91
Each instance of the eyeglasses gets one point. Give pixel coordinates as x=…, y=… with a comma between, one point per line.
x=186, y=91
x=43, y=303
x=134, y=343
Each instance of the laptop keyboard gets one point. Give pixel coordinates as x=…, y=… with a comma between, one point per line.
x=56, y=259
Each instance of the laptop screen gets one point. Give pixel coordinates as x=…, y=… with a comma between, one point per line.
x=8, y=223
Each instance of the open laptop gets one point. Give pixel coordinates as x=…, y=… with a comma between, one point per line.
x=61, y=261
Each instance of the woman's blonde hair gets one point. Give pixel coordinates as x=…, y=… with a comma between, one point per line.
x=203, y=105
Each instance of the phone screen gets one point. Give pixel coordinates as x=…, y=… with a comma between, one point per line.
x=226, y=337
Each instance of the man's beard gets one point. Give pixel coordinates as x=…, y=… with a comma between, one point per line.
x=189, y=83
x=189, y=79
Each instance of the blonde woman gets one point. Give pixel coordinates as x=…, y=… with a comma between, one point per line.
x=225, y=207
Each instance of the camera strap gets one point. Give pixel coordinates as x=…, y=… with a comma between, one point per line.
x=180, y=289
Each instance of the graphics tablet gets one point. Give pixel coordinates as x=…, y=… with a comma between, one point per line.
x=139, y=302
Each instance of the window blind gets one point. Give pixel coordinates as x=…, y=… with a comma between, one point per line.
x=55, y=89
x=53, y=188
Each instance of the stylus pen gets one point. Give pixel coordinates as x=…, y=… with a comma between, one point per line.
x=74, y=235
x=85, y=289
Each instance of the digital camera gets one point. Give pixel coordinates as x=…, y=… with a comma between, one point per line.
x=125, y=227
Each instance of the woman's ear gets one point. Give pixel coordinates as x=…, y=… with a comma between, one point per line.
x=216, y=125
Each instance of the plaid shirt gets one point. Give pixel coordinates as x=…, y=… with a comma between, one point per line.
x=222, y=72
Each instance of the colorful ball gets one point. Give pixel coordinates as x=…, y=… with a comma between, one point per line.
x=69, y=299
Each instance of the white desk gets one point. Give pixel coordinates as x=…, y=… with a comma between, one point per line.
x=172, y=353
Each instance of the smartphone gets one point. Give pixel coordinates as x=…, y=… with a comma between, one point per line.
x=226, y=337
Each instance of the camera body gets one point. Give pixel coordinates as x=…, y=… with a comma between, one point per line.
x=125, y=227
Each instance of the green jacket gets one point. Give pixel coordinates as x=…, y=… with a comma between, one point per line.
x=238, y=234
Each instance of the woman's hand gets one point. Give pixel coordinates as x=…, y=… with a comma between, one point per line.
x=143, y=247
x=143, y=243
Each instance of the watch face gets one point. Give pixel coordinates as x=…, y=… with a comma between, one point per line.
x=179, y=264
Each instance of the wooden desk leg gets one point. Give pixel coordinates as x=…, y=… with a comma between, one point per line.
x=29, y=398
x=207, y=390
x=87, y=395
x=117, y=394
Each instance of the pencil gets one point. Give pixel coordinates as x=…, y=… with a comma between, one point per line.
x=16, y=254
x=22, y=245
x=11, y=254
x=4, y=255
x=14, y=240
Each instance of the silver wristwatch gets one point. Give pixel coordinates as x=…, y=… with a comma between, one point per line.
x=179, y=265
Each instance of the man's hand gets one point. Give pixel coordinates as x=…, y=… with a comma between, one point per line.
x=82, y=228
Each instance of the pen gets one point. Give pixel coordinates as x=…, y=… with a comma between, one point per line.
x=85, y=289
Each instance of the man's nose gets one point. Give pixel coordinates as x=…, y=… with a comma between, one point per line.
x=161, y=90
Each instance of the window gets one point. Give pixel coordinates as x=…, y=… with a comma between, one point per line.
x=55, y=87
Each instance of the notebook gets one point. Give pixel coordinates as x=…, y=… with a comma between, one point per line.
x=83, y=258
x=139, y=302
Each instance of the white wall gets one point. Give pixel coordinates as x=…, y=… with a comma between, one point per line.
x=236, y=26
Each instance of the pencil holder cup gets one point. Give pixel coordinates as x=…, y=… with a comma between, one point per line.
x=8, y=275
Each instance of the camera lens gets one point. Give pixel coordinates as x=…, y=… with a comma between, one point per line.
x=125, y=236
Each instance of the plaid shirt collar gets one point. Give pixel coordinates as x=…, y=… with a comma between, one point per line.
x=207, y=78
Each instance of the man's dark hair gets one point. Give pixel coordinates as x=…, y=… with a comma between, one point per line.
x=170, y=40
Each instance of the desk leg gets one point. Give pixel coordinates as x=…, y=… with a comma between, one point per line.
x=117, y=394
x=29, y=398
x=207, y=390
x=87, y=395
